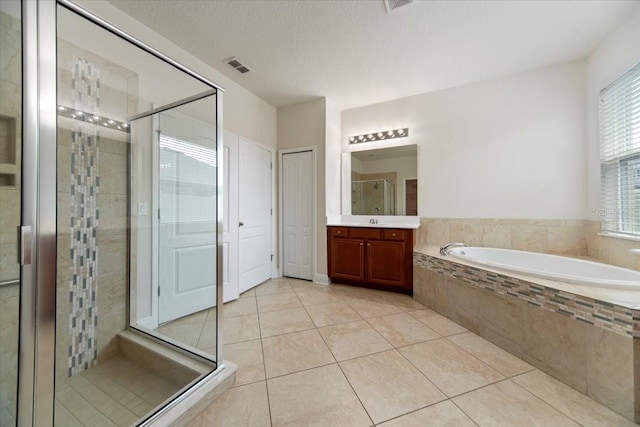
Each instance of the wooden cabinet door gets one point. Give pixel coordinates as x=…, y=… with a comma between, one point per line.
x=385, y=262
x=347, y=259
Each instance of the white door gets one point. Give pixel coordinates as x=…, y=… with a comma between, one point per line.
x=254, y=215
x=297, y=215
x=230, y=160
x=187, y=227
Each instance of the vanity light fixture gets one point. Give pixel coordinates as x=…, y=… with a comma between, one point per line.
x=378, y=136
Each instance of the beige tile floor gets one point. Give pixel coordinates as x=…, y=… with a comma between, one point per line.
x=312, y=355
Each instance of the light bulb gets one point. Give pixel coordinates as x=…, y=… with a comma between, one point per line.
x=370, y=137
x=390, y=133
x=400, y=132
x=111, y=122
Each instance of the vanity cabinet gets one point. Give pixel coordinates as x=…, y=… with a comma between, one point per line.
x=378, y=258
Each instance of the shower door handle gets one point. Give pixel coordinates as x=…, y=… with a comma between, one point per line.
x=241, y=224
x=25, y=244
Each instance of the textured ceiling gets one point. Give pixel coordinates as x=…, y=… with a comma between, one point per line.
x=358, y=54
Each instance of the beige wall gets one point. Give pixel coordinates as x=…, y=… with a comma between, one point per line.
x=512, y=147
x=561, y=237
x=303, y=125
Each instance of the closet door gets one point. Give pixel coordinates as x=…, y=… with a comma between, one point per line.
x=254, y=215
x=230, y=217
x=297, y=198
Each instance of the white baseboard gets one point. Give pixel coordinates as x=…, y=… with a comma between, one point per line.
x=321, y=279
x=148, y=322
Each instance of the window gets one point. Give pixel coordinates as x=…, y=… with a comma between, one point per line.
x=620, y=154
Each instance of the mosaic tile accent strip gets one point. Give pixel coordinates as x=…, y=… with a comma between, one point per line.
x=611, y=317
x=85, y=183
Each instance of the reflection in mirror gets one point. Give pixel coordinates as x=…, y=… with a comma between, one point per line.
x=384, y=181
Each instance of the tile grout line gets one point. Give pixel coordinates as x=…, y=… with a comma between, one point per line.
x=544, y=401
x=264, y=365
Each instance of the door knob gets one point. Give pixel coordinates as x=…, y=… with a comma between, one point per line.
x=241, y=224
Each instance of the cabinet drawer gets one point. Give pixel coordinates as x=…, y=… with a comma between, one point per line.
x=394, y=234
x=339, y=231
x=366, y=233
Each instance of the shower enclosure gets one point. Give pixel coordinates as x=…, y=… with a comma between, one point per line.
x=109, y=169
x=372, y=197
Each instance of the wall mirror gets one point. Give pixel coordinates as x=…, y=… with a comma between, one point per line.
x=382, y=181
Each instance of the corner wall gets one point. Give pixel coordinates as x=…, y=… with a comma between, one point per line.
x=244, y=113
x=303, y=125
x=512, y=147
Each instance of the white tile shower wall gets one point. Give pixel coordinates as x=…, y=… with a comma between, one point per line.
x=84, y=219
x=10, y=152
x=109, y=272
x=11, y=114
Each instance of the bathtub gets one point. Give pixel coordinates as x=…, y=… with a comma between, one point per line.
x=550, y=267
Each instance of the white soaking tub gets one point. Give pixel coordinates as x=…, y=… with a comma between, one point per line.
x=550, y=267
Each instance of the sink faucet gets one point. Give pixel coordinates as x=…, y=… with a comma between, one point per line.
x=444, y=251
x=373, y=221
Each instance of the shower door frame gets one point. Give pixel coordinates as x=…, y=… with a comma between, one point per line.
x=36, y=374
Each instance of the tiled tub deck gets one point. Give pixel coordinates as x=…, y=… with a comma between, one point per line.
x=586, y=338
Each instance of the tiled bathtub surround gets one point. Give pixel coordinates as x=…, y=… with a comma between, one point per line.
x=612, y=250
x=614, y=318
x=561, y=237
x=584, y=342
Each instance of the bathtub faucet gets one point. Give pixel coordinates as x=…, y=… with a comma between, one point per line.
x=444, y=251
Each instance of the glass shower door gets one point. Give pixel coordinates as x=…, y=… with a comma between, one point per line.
x=113, y=363
x=10, y=203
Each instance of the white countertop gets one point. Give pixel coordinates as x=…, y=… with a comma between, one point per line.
x=410, y=222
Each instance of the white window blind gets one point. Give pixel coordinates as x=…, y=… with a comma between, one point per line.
x=620, y=154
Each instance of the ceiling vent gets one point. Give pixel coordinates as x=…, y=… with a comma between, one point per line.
x=396, y=4
x=237, y=65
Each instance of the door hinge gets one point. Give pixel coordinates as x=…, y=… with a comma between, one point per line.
x=158, y=213
x=271, y=257
x=271, y=211
x=271, y=165
x=158, y=290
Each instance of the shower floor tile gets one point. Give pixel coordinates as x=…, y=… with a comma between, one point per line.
x=116, y=392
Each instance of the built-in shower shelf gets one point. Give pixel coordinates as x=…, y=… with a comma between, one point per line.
x=8, y=152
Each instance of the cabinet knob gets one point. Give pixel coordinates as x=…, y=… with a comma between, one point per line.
x=393, y=234
x=361, y=244
x=368, y=244
x=339, y=232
